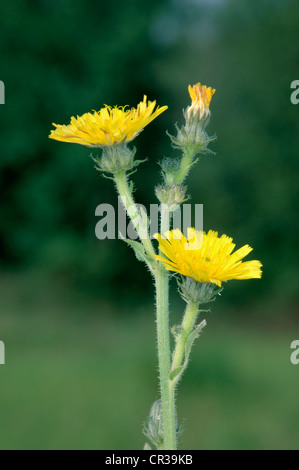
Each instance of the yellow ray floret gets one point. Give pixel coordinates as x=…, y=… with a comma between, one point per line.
x=206, y=257
x=201, y=98
x=110, y=125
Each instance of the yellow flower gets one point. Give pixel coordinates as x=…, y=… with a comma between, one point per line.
x=201, y=98
x=206, y=257
x=110, y=125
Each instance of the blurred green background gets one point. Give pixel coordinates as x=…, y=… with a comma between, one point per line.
x=76, y=313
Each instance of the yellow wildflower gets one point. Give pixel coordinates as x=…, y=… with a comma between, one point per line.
x=206, y=257
x=110, y=125
x=201, y=98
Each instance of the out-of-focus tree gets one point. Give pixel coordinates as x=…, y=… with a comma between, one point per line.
x=64, y=58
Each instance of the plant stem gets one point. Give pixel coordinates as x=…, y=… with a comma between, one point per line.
x=187, y=326
x=164, y=354
x=185, y=166
x=162, y=305
x=125, y=194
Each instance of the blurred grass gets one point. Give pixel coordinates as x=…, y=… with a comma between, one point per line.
x=80, y=375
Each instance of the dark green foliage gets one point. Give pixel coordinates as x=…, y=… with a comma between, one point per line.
x=64, y=58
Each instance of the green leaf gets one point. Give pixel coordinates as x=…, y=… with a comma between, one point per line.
x=138, y=249
x=190, y=340
x=139, y=252
x=176, y=372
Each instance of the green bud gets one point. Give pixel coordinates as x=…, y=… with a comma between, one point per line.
x=171, y=194
x=169, y=168
x=153, y=428
x=197, y=292
x=192, y=138
x=115, y=158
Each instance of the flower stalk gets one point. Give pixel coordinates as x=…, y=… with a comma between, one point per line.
x=186, y=328
x=163, y=338
x=138, y=218
x=186, y=163
x=164, y=359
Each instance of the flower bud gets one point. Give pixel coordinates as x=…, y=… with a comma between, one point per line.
x=201, y=98
x=192, y=137
x=153, y=428
x=169, y=167
x=171, y=194
x=116, y=158
x=197, y=292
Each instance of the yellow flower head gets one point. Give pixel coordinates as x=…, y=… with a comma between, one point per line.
x=206, y=257
x=201, y=98
x=110, y=125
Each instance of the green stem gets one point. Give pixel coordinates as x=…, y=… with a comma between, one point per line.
x=164, y=357
x=185, y=166
x=133, y=212
x=164, y=354
x=187, y=326
x=162, y=304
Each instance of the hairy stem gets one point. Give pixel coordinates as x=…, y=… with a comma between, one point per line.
x=164, y=353
x=139, y=222
x=162, y=306
x=187, y=326
x=185, y=166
